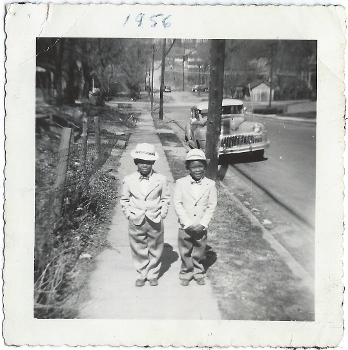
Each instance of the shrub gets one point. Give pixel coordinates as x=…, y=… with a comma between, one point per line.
x=79, y=232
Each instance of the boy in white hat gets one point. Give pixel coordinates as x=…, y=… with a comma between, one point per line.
x=195, y=200
x=145, y=202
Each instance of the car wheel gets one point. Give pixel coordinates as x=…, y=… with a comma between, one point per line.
x=259, y=155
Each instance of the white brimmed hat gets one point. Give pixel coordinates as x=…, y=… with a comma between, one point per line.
x=144, y=151
x=196, y=154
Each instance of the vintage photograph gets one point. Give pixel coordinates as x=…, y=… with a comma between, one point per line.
x=169, y=177
x=239, y=244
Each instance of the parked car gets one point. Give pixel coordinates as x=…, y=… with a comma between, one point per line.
x=200, y=88
x=167, y=89
x=237, y=134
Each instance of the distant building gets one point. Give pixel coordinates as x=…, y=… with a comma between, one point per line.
x=260, y=90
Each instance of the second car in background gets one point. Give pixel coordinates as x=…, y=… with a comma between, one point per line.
x=200, y=88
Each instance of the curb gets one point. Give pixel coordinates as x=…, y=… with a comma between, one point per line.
x=293, y=265
x=281, y=118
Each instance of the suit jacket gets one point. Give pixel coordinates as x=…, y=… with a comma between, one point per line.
x=194, y=209
x=138, y=202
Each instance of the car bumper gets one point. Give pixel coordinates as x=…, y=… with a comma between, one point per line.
x=244, y=148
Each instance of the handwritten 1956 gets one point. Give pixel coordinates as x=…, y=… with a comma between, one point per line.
x=142, y=20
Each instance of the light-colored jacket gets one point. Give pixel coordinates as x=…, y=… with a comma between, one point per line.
x=153, y=202
x=194, y=209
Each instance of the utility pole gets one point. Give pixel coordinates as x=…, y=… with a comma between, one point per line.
x=217, y=60
x=162, y=78
x=199, y=79
x=183, y=69
x=149, y=81
x=271, y=78
x=152, y=69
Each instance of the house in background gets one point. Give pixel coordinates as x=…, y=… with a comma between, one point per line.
x=260, y=90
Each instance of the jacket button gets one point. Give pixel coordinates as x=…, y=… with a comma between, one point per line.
x=194, y=215
x=196, y=205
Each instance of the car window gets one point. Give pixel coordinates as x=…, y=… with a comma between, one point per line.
x=202, y=113
x=236, y=109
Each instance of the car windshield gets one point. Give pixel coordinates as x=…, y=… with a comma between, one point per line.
x=203, y=113
x=235, y=109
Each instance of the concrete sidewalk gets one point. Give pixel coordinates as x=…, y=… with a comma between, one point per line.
x=112, y=283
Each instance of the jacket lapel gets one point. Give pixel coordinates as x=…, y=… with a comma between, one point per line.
x=136, y=186
x=189, y=187
x=201, y=189
x=153, y=183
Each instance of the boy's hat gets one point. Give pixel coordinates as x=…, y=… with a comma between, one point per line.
x=144, y=151
x=196, y=154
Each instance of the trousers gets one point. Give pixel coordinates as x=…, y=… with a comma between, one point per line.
x=146, y=242
x=191, y=248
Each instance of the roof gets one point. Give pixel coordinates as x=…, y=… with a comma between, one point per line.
x=256, y=83
x=225, y=102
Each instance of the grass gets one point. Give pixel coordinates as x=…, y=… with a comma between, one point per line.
x=249, y=279
x=305, y=115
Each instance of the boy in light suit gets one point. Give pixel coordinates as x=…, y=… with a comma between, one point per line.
x=195, y=200
x=145, y=202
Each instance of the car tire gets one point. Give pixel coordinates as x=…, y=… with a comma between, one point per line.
x=259, y=155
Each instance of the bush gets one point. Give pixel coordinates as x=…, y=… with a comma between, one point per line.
x=78, y=233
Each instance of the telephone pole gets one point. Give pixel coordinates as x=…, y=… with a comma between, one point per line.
x=152, y=69
x=217, y=61
x=183, y=69
x=271, y=77
x=162, y=78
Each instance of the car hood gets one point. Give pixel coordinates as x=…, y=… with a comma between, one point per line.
x=231, y=123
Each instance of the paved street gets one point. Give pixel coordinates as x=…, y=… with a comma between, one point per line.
x=289, y=172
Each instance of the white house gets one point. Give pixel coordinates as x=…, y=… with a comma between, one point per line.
x=260, y=90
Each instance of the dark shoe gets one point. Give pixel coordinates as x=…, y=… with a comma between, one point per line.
x=184, y=282
x=153, y=282
x=200, y=281
x=140, y=282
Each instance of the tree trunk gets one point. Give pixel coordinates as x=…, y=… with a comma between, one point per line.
x=217, y=54
x=70, y=84
x=59, y=71
x=86, y=80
